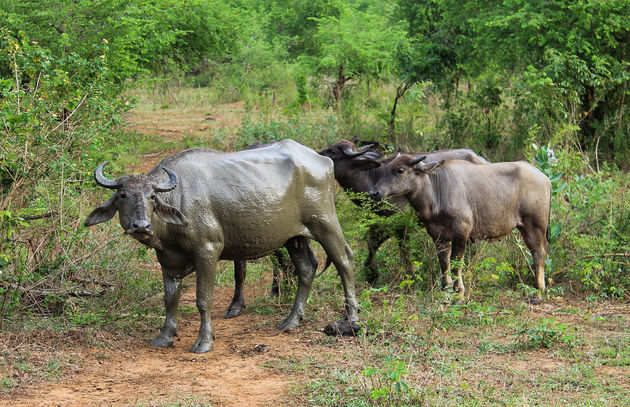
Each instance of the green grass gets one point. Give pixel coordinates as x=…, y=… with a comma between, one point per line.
x=470, y=354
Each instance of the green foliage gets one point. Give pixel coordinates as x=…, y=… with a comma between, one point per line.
x=359, y=42
x=294, y=23
x=386, y=315
x=420, y=61
x=384, y=383
x=302, y=91
x=255, y=70
x=580, y=68
x=589, y=231
x=309, y=133
x=546, y=334
x=52, y=112
x=567, y=61
x=356, y=45
x=57, y=115
x=154, y=36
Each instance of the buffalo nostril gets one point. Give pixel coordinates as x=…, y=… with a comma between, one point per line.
x=374, y=193
x=141, y=225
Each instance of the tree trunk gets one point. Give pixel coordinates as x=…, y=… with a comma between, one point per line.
x=338, y=86
x=391, y=124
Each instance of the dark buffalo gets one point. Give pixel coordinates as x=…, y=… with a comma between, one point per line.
x=281, y=266
x=232, y=206
x=358, y=171
x=459, y=202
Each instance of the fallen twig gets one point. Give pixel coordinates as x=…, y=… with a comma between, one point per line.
x=45, y=292
x=97, y=282
x=43, y=215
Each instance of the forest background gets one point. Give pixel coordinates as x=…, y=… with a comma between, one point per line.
x=542, y=81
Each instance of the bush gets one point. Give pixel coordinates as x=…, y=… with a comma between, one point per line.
x=55, y=111
x=316, y=133
x=590, y=227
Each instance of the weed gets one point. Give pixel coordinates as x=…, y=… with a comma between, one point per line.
x=385, y=383
x=546, y=334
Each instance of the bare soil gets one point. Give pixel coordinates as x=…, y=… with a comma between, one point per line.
x=239, y=371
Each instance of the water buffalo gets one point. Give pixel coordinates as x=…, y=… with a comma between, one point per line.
x=358, y=171
x=459, y=202
x=232, y=206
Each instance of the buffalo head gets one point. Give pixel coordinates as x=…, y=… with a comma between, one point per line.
x=401, y=176
x=136, y=200
x=347, y=157
x=345, y=149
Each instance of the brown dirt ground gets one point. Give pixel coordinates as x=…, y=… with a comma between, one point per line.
x=237, y=372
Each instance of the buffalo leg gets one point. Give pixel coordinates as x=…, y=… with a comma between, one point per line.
x=206, y=270
x=458, y=250
x=405, y=252
x=444, y=256
x=376, y=236
x=536, y=242
x=334, y=244
x=305, y=265
x=238, y=301
x=172, y=292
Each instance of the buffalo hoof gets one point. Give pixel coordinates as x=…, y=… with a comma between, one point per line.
x=342, y=328
x=234, y=311
x=202, y=346
x=162, y=342
x=288, y=324
x=534, y=300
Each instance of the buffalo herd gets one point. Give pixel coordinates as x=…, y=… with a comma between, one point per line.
x=199, y=206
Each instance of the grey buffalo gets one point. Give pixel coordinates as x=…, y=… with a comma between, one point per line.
x=358, y=171
x=459, y=202
x=232, y=206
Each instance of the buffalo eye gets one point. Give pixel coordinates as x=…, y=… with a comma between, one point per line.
x=400, y=171
x=122, y=195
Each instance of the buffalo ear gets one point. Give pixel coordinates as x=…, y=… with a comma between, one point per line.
x=429, y=167
x=169, y=214
x=372, y=155
x=367, y=160
x=101, y=214
x=365, y=164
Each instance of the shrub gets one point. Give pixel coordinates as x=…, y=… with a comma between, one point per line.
x=56, y=113
x=589, y=231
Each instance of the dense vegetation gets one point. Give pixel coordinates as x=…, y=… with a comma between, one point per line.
x=516, y=80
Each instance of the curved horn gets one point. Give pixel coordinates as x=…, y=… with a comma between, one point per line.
x=104, y=181
x=366, y=147
x=353, y=154
x=416, y=160
x=168, y=185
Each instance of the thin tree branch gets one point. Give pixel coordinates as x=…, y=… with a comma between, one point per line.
x=589, y=256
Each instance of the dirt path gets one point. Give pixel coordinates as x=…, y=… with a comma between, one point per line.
x=239, y=371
